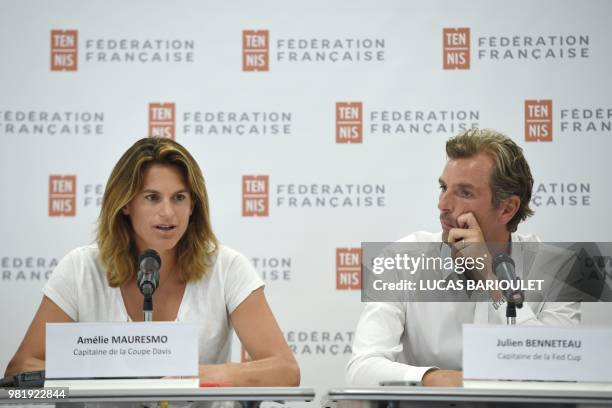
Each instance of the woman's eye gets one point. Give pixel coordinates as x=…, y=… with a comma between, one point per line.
x=151, y=197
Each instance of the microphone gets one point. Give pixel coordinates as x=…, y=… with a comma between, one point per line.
x=149, y=264
x=503, y=268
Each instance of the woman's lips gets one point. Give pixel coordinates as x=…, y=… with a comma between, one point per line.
x=165, y=227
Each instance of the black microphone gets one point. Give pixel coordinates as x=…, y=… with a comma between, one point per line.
x=149, y=264
x=503, y=268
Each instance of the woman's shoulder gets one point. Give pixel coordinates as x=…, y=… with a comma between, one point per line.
x=228, y=258
x=78, y=271
x=85, y=252
x=233, y=275
x=82, y=261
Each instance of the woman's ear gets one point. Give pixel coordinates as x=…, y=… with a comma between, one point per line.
x=125, y=210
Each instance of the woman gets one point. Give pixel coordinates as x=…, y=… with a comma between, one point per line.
x=155, y=198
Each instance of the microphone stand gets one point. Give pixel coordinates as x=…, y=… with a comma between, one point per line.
x=510, y=313
x=147, y=308
x=513, y=301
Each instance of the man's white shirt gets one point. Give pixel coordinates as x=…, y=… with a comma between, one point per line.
x=402, y=341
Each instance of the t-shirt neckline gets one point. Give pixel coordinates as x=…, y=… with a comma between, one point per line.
x=127, y=316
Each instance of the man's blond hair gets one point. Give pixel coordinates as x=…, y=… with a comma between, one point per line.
x=510, y=176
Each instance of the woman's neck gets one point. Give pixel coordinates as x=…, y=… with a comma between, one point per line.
x=169, y=270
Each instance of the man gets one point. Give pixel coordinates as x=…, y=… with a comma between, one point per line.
x=485, y=190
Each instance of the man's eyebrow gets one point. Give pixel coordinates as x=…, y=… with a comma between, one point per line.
x=460, y=185
x=467, y=185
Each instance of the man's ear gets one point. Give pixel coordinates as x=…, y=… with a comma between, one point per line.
x=508, y=208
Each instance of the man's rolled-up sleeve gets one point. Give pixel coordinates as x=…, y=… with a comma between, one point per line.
x=377, y=346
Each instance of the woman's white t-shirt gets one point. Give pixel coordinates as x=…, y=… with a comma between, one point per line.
x=78, y=285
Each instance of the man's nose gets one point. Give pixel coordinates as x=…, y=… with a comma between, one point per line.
x=445, y=202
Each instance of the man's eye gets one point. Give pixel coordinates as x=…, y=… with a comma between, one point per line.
x=442, y=188
x=465, y=193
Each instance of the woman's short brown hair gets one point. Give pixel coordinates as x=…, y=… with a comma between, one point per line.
x=115, y=235
x=511, y=174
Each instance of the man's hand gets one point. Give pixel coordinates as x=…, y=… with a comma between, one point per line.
x=443, y=378
x=468, y=232
x=468, y=242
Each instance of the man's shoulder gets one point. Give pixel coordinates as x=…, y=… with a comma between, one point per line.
x=516, y=237
x=422, y=236
x=425, y=236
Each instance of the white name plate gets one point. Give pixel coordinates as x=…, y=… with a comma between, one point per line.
x=121, y=350
x=541, y=353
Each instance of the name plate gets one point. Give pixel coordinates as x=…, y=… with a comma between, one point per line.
x=121, y=350
x=541, y=353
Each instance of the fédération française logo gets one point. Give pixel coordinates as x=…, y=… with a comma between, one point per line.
x=162, y=120
x=348, y=268
x=538, y=120
x=349, y=122
x=456, y=48
x=62, y=195
x=255, y=50
x=64, y=50
x=255, y=196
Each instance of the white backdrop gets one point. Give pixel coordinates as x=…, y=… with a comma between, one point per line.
x=67, y=119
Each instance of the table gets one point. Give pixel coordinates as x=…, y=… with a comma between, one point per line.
x=396, y=397
x=248, y=396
